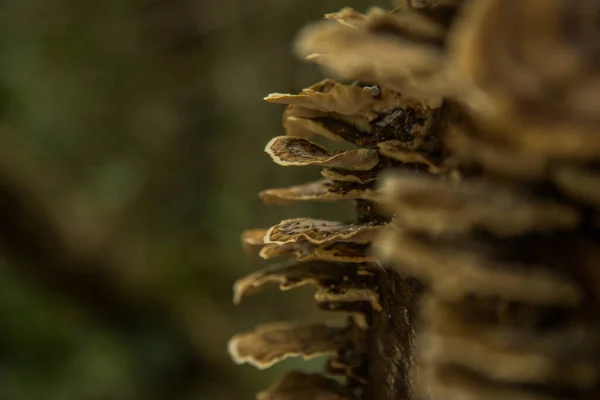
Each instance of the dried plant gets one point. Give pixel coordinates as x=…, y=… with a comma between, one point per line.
x=470, y=271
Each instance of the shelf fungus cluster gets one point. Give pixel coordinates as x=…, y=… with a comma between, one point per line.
x=472, y=269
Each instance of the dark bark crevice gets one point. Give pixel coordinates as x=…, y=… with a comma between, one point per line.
x=391, y=338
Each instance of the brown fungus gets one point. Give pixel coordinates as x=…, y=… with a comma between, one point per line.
x=293, y=151
x=357, y=311
x=345, y=176
x=322, y=190
x=253, y=240
x=290, y=275
x=499, y=159
x=303, y=122
x=306, y=127
x=495, y=329
x=349, y=367
x=360, y=113
x=350, y=295
x=533, y=69
x=444, y=208
x=580, y=183
x=273, y=342
x=345, y=252
x=455, y=384
x=335, y=252
x=348, y=17
x=404, y=156
x=397, y=50
x=489, y=110
x=318, y=231
x=330, y=96
x=503, y=352
x=454, y=273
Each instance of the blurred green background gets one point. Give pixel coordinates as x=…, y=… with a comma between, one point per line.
x=131, y=153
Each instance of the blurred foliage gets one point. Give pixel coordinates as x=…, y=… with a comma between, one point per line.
x=131, y=140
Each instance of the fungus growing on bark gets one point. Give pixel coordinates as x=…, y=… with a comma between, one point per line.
x=470, y=271
x=292, y=151
x=321, y=190
x=273, y=342
x=318, y=231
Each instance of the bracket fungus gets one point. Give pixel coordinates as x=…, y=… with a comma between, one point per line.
x=318, y=231
x=470, y=271
x=443, y=208
x=289, y=275
x=273, y=342
x=321, y=190
x=292, y=151
x=456, y=273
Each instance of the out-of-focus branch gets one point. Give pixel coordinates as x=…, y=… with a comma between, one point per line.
x=34, y=248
